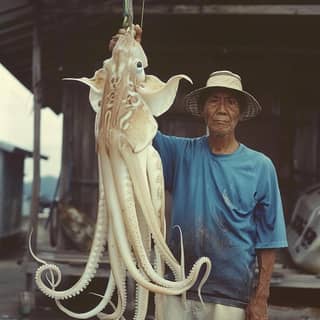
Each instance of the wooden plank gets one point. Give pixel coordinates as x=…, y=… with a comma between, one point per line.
x=85, y=181
x=293, y=313
x=235, y=49
x=83, y=158
x=16, y=28
x=16, y=38
x=7, y=6
x=21, y=47
x=218, y=9
x=261, y=9
x=67, y=151
x=67, y=256
x=294, y=278
x=297, y=281
x=69, y=270
x=36, y=85
x=15, y=16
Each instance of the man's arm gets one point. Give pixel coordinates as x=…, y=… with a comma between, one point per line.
x=257, y=307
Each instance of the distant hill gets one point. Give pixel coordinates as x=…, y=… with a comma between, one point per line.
x=48, y=187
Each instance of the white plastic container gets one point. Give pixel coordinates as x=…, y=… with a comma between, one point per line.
x=304, y=230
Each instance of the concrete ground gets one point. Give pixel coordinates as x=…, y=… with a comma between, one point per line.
x=13, y=284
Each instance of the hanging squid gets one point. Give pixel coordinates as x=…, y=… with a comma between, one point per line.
x=131, y=189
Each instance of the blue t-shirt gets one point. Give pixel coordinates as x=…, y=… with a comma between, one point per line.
x=227, y=206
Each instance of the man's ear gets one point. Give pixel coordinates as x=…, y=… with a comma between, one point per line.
x=203, y=115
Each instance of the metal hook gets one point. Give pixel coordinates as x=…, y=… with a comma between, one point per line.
x=127, y=14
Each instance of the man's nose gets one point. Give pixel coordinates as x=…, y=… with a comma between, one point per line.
x=222, y=106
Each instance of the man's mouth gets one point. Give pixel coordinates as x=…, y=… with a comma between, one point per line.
x=220, y=120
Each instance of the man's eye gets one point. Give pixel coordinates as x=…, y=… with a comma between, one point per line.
x=232, y=101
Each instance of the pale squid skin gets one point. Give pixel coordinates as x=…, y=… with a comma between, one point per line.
x=131, y=189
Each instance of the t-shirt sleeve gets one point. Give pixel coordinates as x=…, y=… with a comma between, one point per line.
x=167, y=146
x=270, y=224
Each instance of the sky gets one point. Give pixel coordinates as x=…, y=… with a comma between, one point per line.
x=16, y=125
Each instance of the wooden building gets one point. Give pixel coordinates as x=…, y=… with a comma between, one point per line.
x=273, y=45
x=11, y=188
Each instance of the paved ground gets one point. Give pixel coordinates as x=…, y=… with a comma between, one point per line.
x=13, y=283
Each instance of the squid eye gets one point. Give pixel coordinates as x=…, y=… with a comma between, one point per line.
x=139, y=67
x=139, y=71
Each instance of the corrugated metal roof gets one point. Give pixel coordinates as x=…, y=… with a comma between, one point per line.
x=13, y=149
x=4, y=146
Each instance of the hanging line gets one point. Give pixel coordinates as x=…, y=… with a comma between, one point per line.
x=142, y=14
x=127, y=14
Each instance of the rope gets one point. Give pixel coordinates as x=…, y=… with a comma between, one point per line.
x=127, y=14
x=142, y=13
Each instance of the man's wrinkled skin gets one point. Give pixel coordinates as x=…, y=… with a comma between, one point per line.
x=257, y=308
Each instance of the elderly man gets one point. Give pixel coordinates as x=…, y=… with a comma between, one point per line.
x=227, y=203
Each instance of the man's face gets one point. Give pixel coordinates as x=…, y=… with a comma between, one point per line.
x=221, y=112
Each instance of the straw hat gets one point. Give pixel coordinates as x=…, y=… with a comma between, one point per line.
x=228, y=80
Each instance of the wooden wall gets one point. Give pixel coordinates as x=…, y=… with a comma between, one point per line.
x=11, y=188
x=79, y=184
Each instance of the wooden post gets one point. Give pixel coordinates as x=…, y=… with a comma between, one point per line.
x=37, y=94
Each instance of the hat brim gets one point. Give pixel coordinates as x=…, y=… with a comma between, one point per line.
x=251, y=107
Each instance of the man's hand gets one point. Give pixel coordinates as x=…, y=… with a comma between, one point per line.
x=138, y=33
x=257, y=309
x=114, y=39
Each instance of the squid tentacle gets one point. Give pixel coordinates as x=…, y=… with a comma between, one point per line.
x=119, y=273
x=144, y=201
x=142, y=294
x=142, y=298
x=156, y=186
x=90, y=268
x=106, y=297
x=122, y=182
x=123, y=244
x=133, y=167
